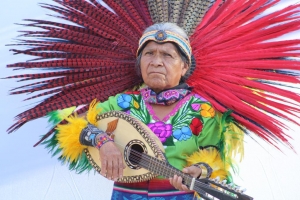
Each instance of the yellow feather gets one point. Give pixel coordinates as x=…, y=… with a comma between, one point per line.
x=68, y=138
x=213, y=159
x=234, y=141
x=68, y=134
x=93, y=112
x=63, y=114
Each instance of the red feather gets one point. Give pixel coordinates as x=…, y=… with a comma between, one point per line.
x=240, y=60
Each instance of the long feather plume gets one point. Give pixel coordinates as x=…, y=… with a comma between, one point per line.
x=241, y=64
x=95, y=51
x=186, y=13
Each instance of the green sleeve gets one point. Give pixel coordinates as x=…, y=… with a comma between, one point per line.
x=111, y=104
x=211, y=132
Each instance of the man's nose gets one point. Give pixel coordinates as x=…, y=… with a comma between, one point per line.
x=157, y=61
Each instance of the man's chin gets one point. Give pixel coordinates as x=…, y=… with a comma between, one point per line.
x=156, y=86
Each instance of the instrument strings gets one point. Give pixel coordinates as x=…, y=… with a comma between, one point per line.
x=145, y=160
x=162, y=168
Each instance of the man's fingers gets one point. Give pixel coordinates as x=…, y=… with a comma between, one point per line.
x=185, y=188
x=121, y=167
x=111, y=161
x=176, y=181
x=186, y=170
x=117, y=167
x=103, y=167
x=192, y=170
x=109, y=169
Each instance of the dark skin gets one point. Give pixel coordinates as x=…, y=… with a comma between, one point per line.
x=161, y=68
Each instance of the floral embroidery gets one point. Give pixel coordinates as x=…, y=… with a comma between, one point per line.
x=165, y=97
x=139, y=110
x=161, y=130
x=187, y=121
x=195, y=106
x=207, y=110
x=196, y=126
x=200, y=97
x=182, y=134
x=124, y=101
x=136, y=104
x=171, y=93
x=176, y=131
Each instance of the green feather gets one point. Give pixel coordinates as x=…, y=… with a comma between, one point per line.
x=80, y=165
x=57, y=116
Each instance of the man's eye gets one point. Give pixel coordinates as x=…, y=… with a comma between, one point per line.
x=148, y=53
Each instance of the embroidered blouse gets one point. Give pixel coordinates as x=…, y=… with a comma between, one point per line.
x=191, y=125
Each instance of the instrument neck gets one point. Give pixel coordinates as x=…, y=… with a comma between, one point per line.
x=163, y=168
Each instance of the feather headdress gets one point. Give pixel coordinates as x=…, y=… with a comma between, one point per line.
x=239, y=62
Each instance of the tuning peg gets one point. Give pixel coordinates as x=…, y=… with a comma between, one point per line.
x=231, y=185
x=224, y=182
x=237, y=187
x=243, y=190
x=217, y=179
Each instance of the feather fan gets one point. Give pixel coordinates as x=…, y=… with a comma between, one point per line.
x=239, y=62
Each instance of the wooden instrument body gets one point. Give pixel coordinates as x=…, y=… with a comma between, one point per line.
x=128, y=132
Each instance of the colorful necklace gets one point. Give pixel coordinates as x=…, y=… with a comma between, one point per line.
x=166, y=97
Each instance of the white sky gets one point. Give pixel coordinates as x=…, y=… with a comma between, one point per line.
x=30, y=173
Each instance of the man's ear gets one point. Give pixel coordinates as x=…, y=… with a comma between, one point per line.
x=184, y=69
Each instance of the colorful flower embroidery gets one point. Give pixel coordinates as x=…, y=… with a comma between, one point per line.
x=161, y=130
x=124, y=101
x=182, y=134
x=196, y=126
x=139, y=110
x=207, y=110
x=171, y=93
x=196, y=106
x=164, y=97
x=136, y=104
x=200, y=97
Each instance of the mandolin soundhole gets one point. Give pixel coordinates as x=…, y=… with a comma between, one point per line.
x=133, y=153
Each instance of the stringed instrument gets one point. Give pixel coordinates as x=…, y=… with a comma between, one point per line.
x=144, y=157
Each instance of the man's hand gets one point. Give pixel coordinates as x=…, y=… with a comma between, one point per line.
x=176, y=181
x=111, y=161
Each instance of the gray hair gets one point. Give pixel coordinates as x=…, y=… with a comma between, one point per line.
x=167, y=26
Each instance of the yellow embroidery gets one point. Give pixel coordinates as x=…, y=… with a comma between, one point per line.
x=207, y=110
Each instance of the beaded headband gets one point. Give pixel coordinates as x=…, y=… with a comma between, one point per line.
x=161, y=36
